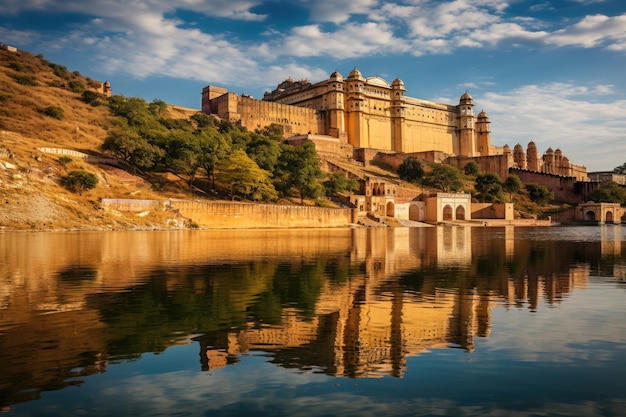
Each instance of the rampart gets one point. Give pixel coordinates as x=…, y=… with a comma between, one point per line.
x=250, y=215
x=235, y=215
x=566, y=189
x=498, y=164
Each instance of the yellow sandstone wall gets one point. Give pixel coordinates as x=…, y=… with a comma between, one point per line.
x=247, y=215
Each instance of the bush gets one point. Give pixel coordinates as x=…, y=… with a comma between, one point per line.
x=411, y=170
x=539, y=193
x=471, y=169
x=78, y=181
x=76, y=86
x=64, y=160
x=19, y=66
x=25, y=80
x=53, y=111
x=93, y=98
x=59, y=70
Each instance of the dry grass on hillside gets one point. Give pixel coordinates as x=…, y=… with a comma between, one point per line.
x=82, y=127
x=31, y=195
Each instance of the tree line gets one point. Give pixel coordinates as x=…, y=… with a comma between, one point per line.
x=256, y=166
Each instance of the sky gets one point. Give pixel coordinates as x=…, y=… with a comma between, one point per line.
x=551, y=71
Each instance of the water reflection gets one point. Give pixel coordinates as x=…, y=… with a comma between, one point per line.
x=354, y=303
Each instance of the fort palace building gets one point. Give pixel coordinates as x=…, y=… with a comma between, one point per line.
x=362, y=112
x=348, y=116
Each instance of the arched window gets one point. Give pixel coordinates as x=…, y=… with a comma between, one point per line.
x=460, y=213
x=447, y=212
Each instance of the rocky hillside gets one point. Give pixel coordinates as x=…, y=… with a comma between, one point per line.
x=42, y=106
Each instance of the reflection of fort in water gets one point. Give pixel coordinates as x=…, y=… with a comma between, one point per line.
x=407, y=291
x=369, y=325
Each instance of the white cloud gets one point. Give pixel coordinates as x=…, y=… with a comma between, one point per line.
x=351, y=40
x=233, y=9
x=592, y=31
x=337, y=11
x=575, y=118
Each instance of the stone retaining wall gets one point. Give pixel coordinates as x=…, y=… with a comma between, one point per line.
x=233, y=215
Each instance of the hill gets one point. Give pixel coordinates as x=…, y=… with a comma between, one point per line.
x=32, y=90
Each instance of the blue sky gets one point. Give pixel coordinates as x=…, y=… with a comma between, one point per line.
x=552, y=71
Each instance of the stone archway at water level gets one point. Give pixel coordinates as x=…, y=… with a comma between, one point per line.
x=391, y=209
x=447, y=212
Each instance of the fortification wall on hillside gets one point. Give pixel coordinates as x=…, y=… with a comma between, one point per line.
x=249, y=215
x=234, y=215
x=566, y=189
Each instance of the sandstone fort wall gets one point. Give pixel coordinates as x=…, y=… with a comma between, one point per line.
x=244, y=215
x=229, y=215
x=566, y=189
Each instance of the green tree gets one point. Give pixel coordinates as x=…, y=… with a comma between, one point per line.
x=444, y=177
x=539, y=193
x=158, y=107
x=264, y=151
x=203, y=121
x=471, y=169
x=273, y=131
x=620, y=169
x=512, y=184
x=609, y=192
x=79, y=180
x=411, y=170
x=213, y=148
x=183, y=154
x=489, y=188
x=246, y=178
x=298, y=167
x=138, y=116
x=132, y=149
x=338, y=182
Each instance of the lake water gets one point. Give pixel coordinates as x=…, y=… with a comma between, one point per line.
x=446, y=321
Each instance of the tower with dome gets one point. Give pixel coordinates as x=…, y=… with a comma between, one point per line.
x=356, y=115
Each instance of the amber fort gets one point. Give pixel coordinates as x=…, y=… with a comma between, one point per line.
x=348, y=116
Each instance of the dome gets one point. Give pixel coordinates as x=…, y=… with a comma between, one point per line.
x=483, y=115
x=531, y=144
x=550, y=151
x=355, y=73
x=506, y=149
x=398, y=83
x=377, y=81
x=336, y=76
x=518, y=148
x=466, y=96
x=558, y=152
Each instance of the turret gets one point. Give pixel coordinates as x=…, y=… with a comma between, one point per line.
x=532, y=156
x=519, y=156
x=466, y=126
x=398, y=109
x=483, y=134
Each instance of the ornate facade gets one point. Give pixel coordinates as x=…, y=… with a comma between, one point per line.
x=362, y=112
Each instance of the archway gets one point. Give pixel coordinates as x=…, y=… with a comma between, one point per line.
x=447, y=212
x=391, y=209
x=590, y=216
x=609, y=217
x=460, y=213
x=414, y=213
